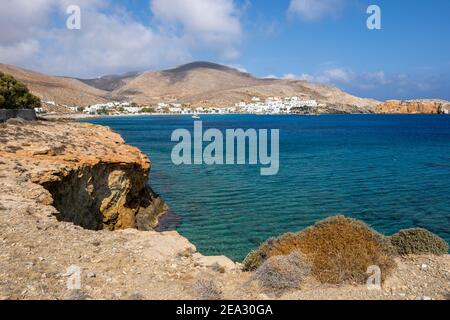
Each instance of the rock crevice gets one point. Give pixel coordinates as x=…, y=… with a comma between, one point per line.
x=88, y=174
x=106, y=196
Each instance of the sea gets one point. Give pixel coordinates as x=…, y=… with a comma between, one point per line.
x=391, y=171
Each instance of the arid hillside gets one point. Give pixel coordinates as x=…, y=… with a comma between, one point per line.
x=208, y=84
x=64, y=91
x=199, y=84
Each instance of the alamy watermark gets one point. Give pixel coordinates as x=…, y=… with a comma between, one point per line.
x=374, y=20
x=236, y=147
x=73, y=22
x=73, y=274
x=374, y=280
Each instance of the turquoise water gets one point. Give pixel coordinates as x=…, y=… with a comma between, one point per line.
x=392, y=172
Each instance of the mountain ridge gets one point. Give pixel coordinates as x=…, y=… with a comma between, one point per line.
x=199, y=83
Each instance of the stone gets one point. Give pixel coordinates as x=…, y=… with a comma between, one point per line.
x=102, y=186
x=42, y=152
x=217, y=263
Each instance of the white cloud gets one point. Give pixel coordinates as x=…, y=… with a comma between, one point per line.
x=109, y=44
x=315, y=9
x=111, y=40
x=289, y=76
x=326, y=76
x=336, y=75
x=20, y=18
x=341, y=76
x=237, y=67
x=213, y=23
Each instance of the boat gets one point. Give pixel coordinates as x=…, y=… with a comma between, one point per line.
x=195, y=117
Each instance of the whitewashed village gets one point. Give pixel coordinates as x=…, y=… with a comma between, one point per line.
x=270, y=105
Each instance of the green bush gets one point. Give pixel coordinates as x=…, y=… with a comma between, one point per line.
x=147, y=110
x=340, y=250
x=15, y=95
x=418, y=241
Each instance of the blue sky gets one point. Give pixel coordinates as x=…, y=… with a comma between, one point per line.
x=323, y=41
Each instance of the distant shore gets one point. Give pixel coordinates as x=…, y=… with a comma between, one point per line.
x=75, y=117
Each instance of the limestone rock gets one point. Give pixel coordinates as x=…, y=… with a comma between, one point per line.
x=86, y=172
x=217, y=263
x=413, y=107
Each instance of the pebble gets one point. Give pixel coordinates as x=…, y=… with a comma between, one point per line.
x=92, y=275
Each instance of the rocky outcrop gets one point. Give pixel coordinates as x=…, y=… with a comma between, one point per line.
x=414, y=107
x=63, y=187
x=87, y=173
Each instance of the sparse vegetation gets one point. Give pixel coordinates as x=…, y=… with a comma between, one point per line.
x=15, y=95
x=207, y=289
x=418, y=241
x=340, y=250
x=103, y=111
x=283, y=273
x=147, y=110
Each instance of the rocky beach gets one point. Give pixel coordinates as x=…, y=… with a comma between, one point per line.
x=76, y=195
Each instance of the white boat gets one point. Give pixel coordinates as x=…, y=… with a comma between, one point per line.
x=195, y=117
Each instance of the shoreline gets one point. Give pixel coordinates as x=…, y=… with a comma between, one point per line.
x=76, y=117
x=130, y=263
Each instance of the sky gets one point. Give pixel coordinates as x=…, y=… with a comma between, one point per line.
x=323, y=41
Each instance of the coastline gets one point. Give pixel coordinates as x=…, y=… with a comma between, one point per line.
x=75, y=117
x=125, y=264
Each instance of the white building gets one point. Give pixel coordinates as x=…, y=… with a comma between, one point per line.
x=307, y=103
x=74, y=109
x=175, y=110
x=132, y=109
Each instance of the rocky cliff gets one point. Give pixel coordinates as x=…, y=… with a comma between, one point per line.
x=64, y=186
x=413, y=107
x=87, y=173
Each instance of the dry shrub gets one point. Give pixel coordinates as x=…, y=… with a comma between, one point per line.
x=283, y=273
x=208, y=289
x=340, y=250
x=418, y=241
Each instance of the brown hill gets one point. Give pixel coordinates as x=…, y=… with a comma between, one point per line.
x=208, y=84
x=61, y=90
x=198, y=84
x=111, y=82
